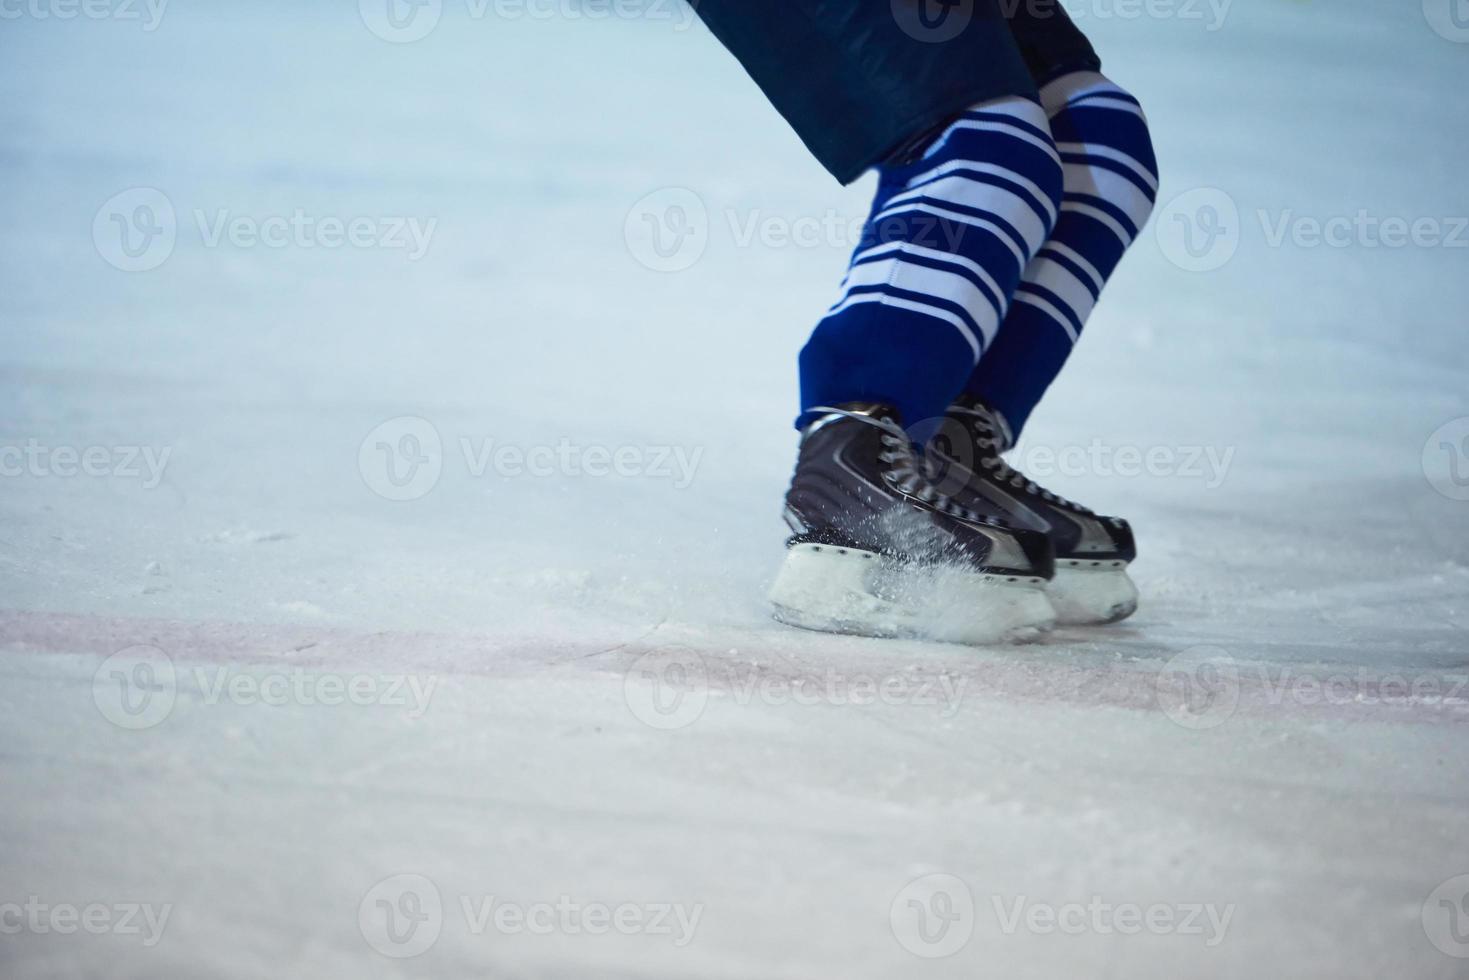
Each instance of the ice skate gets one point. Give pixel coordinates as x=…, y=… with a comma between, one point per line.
x=879, y=551
x=1092, y=552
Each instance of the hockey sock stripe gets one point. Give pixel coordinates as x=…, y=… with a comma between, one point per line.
x=1104, y=101
x=1089, y=237
x=1092, y=210
x=985, y=122
x=995, y=172
x=1059, y=93
x=1067, y=257
x=926, y=309
x=1034, y=293
x=938, y=284
x=963, y=219
x=1050, y=315
x=920, y=277
x=1023, y=112
x=1075, y=293
x=935, y=258
x=988, y=202
x=1109, y=191
x=1113, y=159
x=982, y=185
x=1102, y=96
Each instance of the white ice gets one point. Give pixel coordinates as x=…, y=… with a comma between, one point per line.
x=604, y=715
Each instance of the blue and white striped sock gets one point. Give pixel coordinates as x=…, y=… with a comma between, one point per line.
x=941, y=254
x=1111, y=182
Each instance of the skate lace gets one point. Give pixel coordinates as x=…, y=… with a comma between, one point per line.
x=906, y=470
x=991, y=443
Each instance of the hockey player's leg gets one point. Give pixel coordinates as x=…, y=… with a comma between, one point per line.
x=879, y=547
x=1111, y=182
x=1110, y=186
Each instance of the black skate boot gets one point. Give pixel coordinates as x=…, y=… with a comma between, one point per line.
x=879, y=551
x=1091, y=584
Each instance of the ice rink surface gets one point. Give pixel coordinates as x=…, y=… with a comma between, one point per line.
x=393, y=437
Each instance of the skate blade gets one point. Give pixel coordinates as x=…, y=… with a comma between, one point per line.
x=1090, y=593
x=845, y=590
